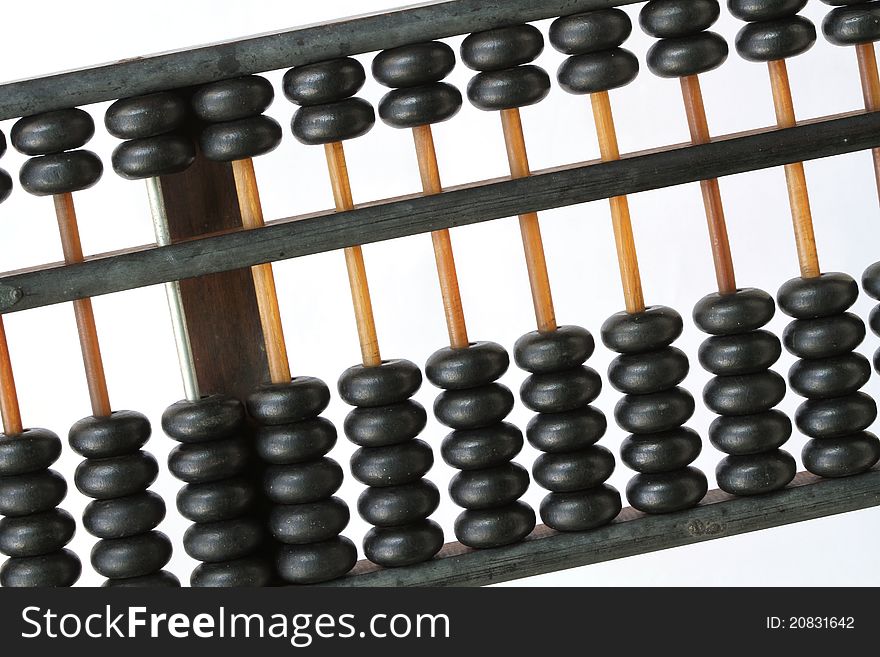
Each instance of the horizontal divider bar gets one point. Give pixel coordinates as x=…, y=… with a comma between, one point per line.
x=375, y=222
x=277, y=50
x=545, y=551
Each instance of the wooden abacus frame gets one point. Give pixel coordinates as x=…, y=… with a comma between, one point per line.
x=210, y=254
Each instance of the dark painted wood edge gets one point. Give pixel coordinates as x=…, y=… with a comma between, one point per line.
x=545, y=551
x=277, y=50
x=328, y=231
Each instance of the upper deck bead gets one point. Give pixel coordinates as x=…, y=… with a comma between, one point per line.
x=505, y=47
x=61, y=173
x=598, y=71
x=52, y=132
x=237, y=140
x=414, y=65
x=684, y=56
x=513, y=87
x=850, y=26
x=774, y=40
x=764, y=10
x=592, y=31
x=153, y=156
x=231, y=100
x=323, y=124
x=324, y=82
x=669, y=19
x=412, y=107
x=145, y=116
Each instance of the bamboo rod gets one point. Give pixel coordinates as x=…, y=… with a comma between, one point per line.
x=65, y=213
x=264, y=279
x=9, y=407
x=719, y=240
x=627, y=256
x=443, y=253
x=354, y=259
x=799, y=198
x=870, y=77
x=530, y=227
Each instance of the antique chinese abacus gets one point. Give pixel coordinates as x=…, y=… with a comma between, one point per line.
x=254, y=451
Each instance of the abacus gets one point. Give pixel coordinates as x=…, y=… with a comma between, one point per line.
x=254, y=450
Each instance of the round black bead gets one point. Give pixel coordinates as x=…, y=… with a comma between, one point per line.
x=690, y=55
x=841, y=457
x=394, y=506
x=667, y=492
x=669, y=19
x=31, y=493
x=145, y=116
x=124, y=516
x=566, y=432
x=116, y=477
x=36, y=534
x=755, y=474
x=247, y=572
x=392, y=466
x=314, y=125
x=592, y=31
x=474, y=408
x=162, y=579
x=324, y=82
x=295, y=443
x=824, y=296
x=744, y=394
x=302, y=483
x=200, y=463
x=458, y=369
x=303, y=398
x=2, y=144
x=153, y=156
x=502, y=48
x=553, y=351
x=60, y=568
x=5, y=185
x=835, y=418
x=227, y=540
x=60, y=173
x=134, y=556
x=489, y=488
x=581, y=510
x=52, y=132
x=661, y=452
x=643, y=374
x=773, y=40
x=210, y=418
x=385, y=425
x=395, y=547
x=414, y=65
x=824, y=337
x=731, y=314
x=509, y=88
x=490, y=528
x=237, y=140
x=231, y=100
x=482, y=448
x=637, y=333
x=829, y=377
x=31, y=451
x=750, y=434
x=871, y=281
x=561, y=392
x=748, y=353
x=573, y=471
x=850, y=26
x=660, y=411
x=391, y=382
x=216, y=500
x=316, y=562
x=413, y=107
x=598, y=71
x=764, y=10
x=123, y=432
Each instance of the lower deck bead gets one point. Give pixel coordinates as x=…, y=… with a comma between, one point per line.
x=302, y=483
x=385, y=425
x=645, y=374
x=746, y=353
x=835, y=418
x=841, y=457
x=661, y=452
x=161, y=580
x=36, y=534
x=398, y=505
x=58, y=569
x=210, y=461
x=124, y=516
x=744, y=394
x=824, y=337
x=573, y=471
x=226, y=540
x=482, y=448
x=756, y=474
x=295, y=443
x=830, y=377
x=216, y=500
x=489, y=488
x=247, y=572
x=395, y=547
x=116, y=477
x=667, y=492
x=474, y=408
x=31, y=493
x=566, y=432
x=316, y=562
x=31, y=451
x=827, y=295
x=553, y=351
x=491, y=528
x=660, y=411
x=134, y=556
x=309, y=523
x=303, y=398
x=560, y=392
x=750, y=434
x=581, y=510
x=392, y=466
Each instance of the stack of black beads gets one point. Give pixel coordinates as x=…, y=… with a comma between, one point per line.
x=871, y=285
x=686, y=46
x=5, y=179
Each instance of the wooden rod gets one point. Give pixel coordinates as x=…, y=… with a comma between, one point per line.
x=627, y=257
x=9, y=407
x=354, y=259
x=65, y=213
x=718, y=236
x=798, y=195
x=530, y=227
x=871, y=89
x=443, y=253
x=264, y=279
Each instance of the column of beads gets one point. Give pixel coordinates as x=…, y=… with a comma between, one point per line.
x=740, y=353
x=823, y=334
x=649, y=370
x=116, y=472
x=33, y=531
x=385, y=422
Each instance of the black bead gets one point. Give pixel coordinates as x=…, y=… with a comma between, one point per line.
x=134, y=556
x=474, y=408
x=750, y=434
x=824, y=296
x=643, y=374
x=824, y=337
x=395, y=506
x=5, y=185
x=636, y=333
x=30, y=451
x=417, y=106
x=748, y=353
x=841, y=457
x=544, y=353
x=489, y=488
x=216, y=500
x=581, y=510
x=385, y=425
x=226, y=540
x=871, y=281
x=303, y=398
x=731, y=314
x=104, y=479
x=153, y=156
x=302, y=483
x=209, y=418
x=31, y=493
x=482, y=448
x=295, y=443
x=850, y=26
x=458, y=369
x=779, y=39
x=764, y=10
x=829, y=377
x=598, y=71
x=566, y=432
x=592, y=31
x=60, y=173
x=690, y=55
x=124, y=516
x=52, y=132
x=561, y=392
x=237, y=140
x=200, y=463
x=391, y=382
x=324, y=82
x=247, y=572
x=660, y=411
x=316, y=562
x=669, y=19
x=2, y=144
x=396, y=547
x=231, y=100
x=36, y=534
x=508, y=89
x=315, y=125
x=162, y=579
x=123, y=432
x=573, y=471
x=667, y=492
x=835, y=418
x=755, y=474
x=502, y=48
x=392, y=466
x=414, y=65
x=490, y=528
x=146, y=116
x=58, y=569
x=661, y=452
x=745, y=394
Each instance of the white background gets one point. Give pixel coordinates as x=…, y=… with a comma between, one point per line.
x=669, y=226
